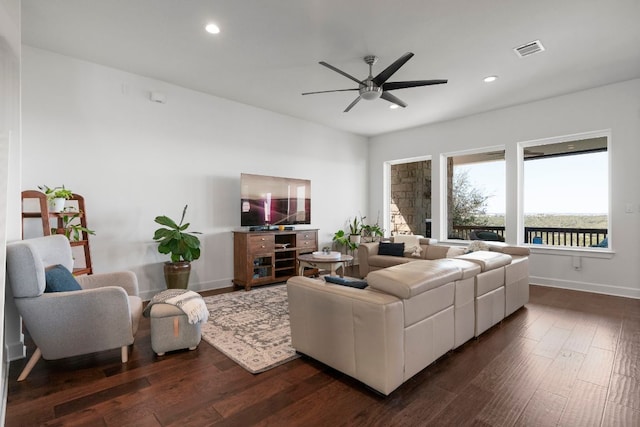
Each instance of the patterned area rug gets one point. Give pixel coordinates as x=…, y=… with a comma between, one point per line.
x=252, y=328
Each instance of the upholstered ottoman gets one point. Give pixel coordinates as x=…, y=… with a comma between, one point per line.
x=171, y=330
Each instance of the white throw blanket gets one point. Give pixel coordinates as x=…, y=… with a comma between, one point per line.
x=188, y=301
x=411, y=243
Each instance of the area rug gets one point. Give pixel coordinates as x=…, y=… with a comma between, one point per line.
x=251, y=328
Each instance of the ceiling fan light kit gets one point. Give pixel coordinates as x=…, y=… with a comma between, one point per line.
x=376, y=87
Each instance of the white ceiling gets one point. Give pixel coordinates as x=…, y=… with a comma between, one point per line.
x=268, y=51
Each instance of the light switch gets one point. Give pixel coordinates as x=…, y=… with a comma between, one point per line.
x=628, y=208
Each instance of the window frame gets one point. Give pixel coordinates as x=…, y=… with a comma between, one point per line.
x=565, y=250
x=443, y=187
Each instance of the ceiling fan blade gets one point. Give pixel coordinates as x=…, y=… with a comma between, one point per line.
x=352, y=104
x=327, y=91
x=393, y=99
x=391, y=69
x=412, y=83
x=331, y=67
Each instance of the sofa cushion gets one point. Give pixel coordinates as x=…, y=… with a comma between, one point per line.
x=413, y=278
x=393, y=249
x=384, y=261
x=59, y=279
x=345, y=281
x=468, y=268
x=435, y=252
x=487, y=260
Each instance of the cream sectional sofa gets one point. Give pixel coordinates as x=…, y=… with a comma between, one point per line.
x=410, y=314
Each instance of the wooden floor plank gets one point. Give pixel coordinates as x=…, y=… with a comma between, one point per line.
x=563, y=373
x=597, y=367
x=511, y=398
x=552, y=342
x=625, y=391
x=616, y=415
x=543, y=410
x=585, y=406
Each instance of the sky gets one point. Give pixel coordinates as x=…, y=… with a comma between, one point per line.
x=561, y=185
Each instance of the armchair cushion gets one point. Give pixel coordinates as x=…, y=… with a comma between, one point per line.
x=59, y=279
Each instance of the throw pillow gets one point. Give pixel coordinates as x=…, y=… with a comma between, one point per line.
x=353, y=283
x=59, y=279
x=393, y=249
x=477, y=245
x=455, y=251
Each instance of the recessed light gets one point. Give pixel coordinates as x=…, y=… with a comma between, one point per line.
x=212, y=29
x=394, y=106
x=490, y=79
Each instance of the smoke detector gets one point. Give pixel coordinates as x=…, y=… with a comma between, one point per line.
x=529, y=48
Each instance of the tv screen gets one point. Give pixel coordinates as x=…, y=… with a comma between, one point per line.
x=272, y=200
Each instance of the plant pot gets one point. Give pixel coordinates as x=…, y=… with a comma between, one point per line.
x=354, y=238
x=57, y=204
x=176, y=274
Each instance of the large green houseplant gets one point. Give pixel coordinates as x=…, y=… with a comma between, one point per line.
x=183, y=247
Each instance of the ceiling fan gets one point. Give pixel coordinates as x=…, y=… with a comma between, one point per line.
x=377, y=87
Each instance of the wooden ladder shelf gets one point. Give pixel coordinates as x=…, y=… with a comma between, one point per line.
x=59, y=219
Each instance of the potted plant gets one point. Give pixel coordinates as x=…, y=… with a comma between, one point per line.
x=183, y=248
x=372, y=233
x=342, y=240
x=354, y=230
x=56, y=197
x=70, y=228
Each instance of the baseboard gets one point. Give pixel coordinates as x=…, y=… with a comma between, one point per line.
x=5, y=393
x=15, y=351
x=196, y=287
x=596, y=288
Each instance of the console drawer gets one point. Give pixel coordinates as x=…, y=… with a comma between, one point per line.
x=261, y=243
x=306, y=241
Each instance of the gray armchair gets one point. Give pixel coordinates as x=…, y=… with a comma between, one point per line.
x=103, y=315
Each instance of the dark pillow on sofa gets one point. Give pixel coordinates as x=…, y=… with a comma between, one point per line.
x=354, y=283
x=394, y=249
x=59, y=279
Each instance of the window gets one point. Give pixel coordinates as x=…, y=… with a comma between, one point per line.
x=565, y=190
x=410, y=197
x=476, y=195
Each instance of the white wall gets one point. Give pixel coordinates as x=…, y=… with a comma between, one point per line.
x=94, y=129
x=615, y=107
x=9, y=173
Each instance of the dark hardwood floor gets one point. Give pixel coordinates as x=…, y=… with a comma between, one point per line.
x=568, y=358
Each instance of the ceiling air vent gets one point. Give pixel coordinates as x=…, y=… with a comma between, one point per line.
x=529, y=48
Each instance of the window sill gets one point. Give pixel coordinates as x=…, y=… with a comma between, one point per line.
x=604, y=253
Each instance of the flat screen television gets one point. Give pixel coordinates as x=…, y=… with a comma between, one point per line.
x=272, y=200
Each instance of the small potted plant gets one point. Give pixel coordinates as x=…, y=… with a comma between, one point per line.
x=183, y=248
x=371, y=232
x=70, y=226
x=355, y=228
x=56, y=197
x=342, y=240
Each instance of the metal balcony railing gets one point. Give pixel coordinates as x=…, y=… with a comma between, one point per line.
x=551, y=236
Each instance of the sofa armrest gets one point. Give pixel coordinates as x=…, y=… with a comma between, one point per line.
x=366, y=250
x=123, y=279
x=357, y=331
